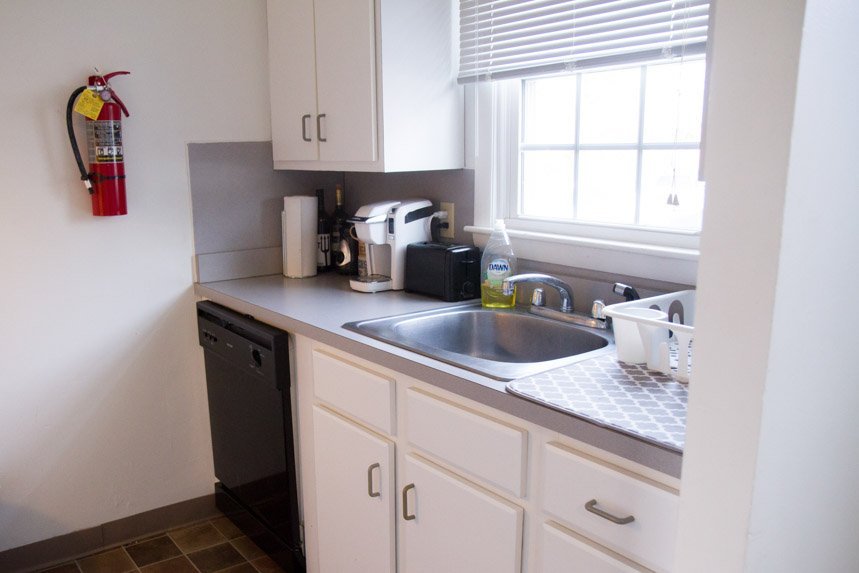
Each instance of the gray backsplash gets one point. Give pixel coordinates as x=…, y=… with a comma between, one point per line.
x=589, y=285
x=237, y=198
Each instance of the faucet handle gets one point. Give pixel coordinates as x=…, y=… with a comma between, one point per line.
x=598, y=309
x=538, y=298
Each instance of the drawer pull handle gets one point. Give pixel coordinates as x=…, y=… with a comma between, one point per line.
x=304, y=135
x=406, y=515
x=319, y=119
x=591, y=506
x=370, y=491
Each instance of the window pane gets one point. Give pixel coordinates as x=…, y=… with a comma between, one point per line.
x=610, y=102
x=674, y=100
x=607, y=186
x=547, y=184
x=550, y=110
x=664, y=175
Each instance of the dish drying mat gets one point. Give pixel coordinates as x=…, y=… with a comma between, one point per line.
x=625, y=397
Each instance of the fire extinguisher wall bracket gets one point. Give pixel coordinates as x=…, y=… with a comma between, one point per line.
x=105, y=178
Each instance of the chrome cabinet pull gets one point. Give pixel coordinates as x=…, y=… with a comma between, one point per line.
x=406, y=515
x=591, y=506
x=319, y=127
x=304, y=135
x=370, y=491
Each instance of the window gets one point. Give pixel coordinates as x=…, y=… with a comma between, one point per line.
x=588, y=127
x=615, y=147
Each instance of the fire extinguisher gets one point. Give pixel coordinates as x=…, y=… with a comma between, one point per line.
x=105, y=179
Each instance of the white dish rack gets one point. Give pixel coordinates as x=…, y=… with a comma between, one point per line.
x=680, y=308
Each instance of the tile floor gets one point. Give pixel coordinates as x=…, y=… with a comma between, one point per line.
x=206, y=547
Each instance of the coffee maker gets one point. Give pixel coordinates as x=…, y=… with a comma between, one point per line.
x=384, y=231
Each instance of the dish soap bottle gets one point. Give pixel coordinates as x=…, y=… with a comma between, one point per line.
x=497, y=263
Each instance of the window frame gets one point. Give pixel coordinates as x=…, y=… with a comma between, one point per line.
x=494, y=108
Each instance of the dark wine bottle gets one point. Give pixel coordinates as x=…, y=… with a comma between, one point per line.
x=338, y=220
x=323, y=234
x=342, y=258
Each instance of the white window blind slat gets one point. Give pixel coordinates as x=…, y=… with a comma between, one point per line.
x=504, y=59
x=518, y=38
x=525, y=12
x=547, y=37
x=474, y=35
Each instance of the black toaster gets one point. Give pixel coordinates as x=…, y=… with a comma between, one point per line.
x=449, y=272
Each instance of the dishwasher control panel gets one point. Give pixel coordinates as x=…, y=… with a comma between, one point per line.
x=252, y=348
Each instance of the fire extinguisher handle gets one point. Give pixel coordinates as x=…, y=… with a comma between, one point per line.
x=106, y=79
x=111, y=74
x=115, y=98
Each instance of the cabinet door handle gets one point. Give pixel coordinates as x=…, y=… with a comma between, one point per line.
x=319, y=127
x=406, y=515
x=370, y=491
x=592, y=507
x=304, y=135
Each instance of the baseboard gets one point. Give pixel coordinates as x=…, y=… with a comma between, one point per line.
x=85, y=541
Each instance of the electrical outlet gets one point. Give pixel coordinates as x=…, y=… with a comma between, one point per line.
x=451, y=222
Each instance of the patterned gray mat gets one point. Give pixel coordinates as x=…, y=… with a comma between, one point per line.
x=625, y=397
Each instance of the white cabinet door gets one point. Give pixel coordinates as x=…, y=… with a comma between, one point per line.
x=453, y=526
x=364, y=85
x=354, y=497
x=292, y=79
x=346, y=79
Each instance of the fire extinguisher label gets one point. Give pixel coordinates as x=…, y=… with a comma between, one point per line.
x=89, y=104
x=105, y=141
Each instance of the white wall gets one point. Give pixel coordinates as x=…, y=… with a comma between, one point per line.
x=805, y=514
x=772, y=451
x=102, y=395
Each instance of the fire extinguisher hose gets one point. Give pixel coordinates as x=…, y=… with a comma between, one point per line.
x=85, y=177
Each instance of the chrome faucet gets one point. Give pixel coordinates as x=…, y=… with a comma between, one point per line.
x=564, y=290
x=565, y=313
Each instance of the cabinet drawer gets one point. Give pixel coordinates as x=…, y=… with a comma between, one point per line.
x=365, y=395
x=562, y=552
x=571, y=481
x=481, y=446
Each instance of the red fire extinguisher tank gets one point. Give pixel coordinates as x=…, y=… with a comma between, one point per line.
x=105, y=177
x=104, y=143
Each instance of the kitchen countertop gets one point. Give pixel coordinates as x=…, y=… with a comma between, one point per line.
x=317, y=307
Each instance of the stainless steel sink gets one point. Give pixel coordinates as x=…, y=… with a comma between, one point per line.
x=501, y=344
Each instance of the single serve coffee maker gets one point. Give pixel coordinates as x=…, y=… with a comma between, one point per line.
x=384, y=231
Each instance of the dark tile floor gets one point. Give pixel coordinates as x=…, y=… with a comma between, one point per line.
x=206, y=547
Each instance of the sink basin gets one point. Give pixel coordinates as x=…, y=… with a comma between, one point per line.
x=502, y=344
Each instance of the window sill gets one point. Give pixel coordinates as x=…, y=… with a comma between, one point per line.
x=670, y=264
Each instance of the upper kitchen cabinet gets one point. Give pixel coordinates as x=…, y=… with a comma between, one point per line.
x=364, y=85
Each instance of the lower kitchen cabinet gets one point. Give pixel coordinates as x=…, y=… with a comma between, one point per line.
x=406, y=477
x=453, y=526
x=354, y=496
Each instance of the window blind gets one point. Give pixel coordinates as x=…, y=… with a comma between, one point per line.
x=518, y=38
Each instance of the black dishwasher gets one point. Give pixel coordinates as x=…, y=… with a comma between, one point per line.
x=250, y=410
